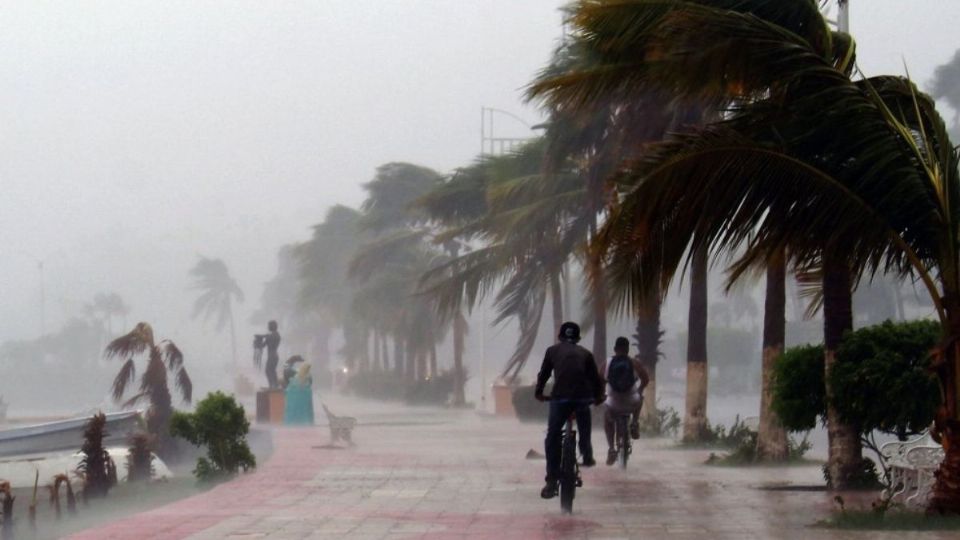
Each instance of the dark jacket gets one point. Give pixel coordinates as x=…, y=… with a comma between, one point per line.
x=575, y=374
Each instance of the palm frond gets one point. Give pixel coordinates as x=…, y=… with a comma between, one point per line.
x=172, y=355
x=139, y=339
x=142, y=396
x=124, y=377
x=184, y=384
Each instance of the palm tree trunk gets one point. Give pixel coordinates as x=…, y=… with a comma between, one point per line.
x=556, y=302
x=233, y=342
x=398, y=362
x=459, y=331
x=695, y=420
x=365, y=351
x=946, y=488
x=434, y=371
x=411, y=357
x=384, y=352
x=771, y=437
x=648, y=348
x=599, y=301
x=376, y=350
x=845, y=452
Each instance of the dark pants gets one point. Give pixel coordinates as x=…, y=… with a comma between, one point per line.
x=560, y=411
x=272, y=372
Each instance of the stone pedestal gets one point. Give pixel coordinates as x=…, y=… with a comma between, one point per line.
x=270, y=405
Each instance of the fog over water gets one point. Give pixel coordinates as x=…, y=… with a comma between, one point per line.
x=136, y=136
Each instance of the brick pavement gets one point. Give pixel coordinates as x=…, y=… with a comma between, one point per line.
x=453, y=474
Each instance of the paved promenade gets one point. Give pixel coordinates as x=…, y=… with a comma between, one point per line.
x=454, y=474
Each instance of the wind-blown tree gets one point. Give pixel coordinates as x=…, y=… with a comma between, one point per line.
x=598, y=135
x=614, y=41
x=392, y=261
x=322, y=284
x=529, y=226
x=218, y=292
x=852, y=176
x=153, y=388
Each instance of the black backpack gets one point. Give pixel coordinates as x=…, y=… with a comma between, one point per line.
x=621, y=375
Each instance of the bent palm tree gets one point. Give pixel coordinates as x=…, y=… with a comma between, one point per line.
x=153, y=388
x=852, y=176
x=218, y=291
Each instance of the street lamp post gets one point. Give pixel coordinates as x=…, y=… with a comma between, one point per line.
x=843, y=18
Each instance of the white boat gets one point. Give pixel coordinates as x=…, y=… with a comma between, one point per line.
x=66, y=434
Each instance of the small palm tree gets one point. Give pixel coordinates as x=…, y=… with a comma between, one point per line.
x=161, y=357
x=218, y=291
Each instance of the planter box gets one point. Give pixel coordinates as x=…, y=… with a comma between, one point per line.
x=270, y=405
x=503, y=400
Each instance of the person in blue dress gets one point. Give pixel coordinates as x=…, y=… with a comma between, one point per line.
x=298, y=409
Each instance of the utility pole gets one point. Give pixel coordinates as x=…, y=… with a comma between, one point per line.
x=843, y=18
x=43, y=302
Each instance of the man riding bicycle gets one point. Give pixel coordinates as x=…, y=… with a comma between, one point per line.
x=576, y=385
x=626, y=380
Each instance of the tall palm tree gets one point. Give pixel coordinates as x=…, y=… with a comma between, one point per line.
x=161, y=357
x=853, y=176
x=218, y=292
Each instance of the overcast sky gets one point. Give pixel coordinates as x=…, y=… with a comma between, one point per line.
x=136, y=135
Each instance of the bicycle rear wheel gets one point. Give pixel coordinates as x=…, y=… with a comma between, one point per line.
x=623, y=439
x=568, y=474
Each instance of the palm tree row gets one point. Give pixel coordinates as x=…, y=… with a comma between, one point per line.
x=805, y=164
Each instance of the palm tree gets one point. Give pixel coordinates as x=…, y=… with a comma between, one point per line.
x=161, y=357
x=852, y=176
x=529, y=226
x=218, y=291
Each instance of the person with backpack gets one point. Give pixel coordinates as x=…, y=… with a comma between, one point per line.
x=576, y=386
x=626, y=380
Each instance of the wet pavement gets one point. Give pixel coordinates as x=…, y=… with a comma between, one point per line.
x=421, y=473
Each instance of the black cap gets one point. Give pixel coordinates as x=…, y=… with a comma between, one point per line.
x=570, y=331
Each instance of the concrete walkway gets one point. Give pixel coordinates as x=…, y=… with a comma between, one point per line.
x=454, y=474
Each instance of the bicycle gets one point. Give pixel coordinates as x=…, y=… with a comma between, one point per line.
x=622, y=439
x=569, y=479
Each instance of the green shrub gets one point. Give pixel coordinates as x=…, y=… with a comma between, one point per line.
x=662, y=423
x=798, y=390
x=882, y=381
x=220, y=424
x=96, y=467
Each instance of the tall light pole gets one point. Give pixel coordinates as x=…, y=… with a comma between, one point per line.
x=843, y=17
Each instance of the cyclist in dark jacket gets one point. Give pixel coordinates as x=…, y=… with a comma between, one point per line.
x=576, y=385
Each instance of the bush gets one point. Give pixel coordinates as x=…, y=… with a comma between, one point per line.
x=433, y=391
x=220, y=424
x=96, y=467
x=882, y=379
x=526, y=406
x=140, y=458
x=799, y=396
x=662, y=423
x=386, y=386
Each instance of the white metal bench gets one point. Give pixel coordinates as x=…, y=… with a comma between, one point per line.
x=341, y=427
x=911, y=466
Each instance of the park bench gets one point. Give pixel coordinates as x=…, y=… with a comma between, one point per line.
x=341, y=427
x=911, y=466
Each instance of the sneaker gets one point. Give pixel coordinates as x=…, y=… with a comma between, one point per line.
x=611, y=457
x=588, y=461
x=550, y=490
x=634, y=430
